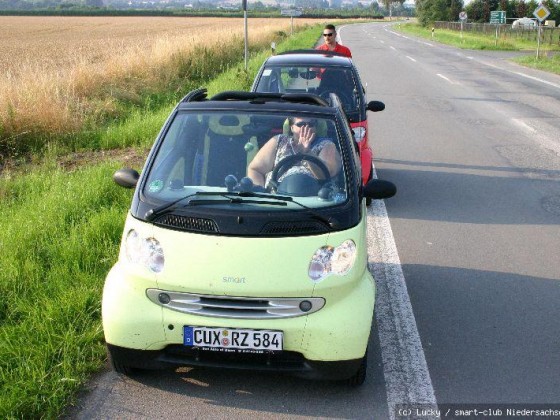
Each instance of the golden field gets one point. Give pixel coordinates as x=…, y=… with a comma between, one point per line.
x=58, y=71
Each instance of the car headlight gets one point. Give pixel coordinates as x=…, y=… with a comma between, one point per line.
x=144, y=251
x=359, y=133
x=329, y=260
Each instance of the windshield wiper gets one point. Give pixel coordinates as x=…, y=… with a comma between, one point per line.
x=236, y=197
x=157, y=211
x=234, y=200
x=331, y=222
x=245, y=194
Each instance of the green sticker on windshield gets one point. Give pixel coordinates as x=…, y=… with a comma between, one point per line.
x=156, y=186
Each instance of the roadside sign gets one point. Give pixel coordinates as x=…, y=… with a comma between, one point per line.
x=290, y=12
x=463, y=15
x=541, y=12
x=498, y=16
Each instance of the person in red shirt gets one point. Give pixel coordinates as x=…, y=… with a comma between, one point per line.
x=329, y=35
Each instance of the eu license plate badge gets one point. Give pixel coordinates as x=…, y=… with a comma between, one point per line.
x=233, y=338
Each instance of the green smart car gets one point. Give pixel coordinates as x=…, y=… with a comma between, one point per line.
x=245, y=244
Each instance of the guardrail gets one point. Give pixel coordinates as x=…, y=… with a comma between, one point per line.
x=549, y=35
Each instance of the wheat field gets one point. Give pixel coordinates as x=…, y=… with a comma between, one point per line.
x=57, y=71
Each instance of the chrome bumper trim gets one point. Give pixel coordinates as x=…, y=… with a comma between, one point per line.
x=233, y=306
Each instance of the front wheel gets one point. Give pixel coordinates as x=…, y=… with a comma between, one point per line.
x=360, y=376
x=119, y=365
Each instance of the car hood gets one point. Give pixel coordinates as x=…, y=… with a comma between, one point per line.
x=241, y=266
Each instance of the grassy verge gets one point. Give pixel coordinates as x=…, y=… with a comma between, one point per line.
x=476, y=41
x=550, y=63
x=59, y=236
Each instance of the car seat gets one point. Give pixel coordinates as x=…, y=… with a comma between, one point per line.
x=336, y=81
x=224, y=149
x=271, y=82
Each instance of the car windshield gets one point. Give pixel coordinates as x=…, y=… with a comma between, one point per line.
x=206, y=158
x=320, y=81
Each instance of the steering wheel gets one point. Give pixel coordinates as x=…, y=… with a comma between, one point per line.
x=344, y=97
x=289, y=161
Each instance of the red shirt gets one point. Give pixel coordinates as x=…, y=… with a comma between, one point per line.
x=337, y=48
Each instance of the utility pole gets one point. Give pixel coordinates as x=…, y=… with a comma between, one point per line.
x=244, y=6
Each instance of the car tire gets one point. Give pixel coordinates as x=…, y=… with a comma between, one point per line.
x=368, y=199
x=360, y=376
x=119, y=366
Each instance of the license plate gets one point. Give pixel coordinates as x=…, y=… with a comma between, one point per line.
x=232, y=338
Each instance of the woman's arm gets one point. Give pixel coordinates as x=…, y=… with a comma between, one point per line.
x=330, y=156
x=263, y=162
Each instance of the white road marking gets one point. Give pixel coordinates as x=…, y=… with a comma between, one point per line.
x=546, y=141
x=536, y=79
x=393, y=48
x=546, y=82
x=446, y=78
x=410, y=58
x=493, y=66
x=405, y=369
x=523, y=125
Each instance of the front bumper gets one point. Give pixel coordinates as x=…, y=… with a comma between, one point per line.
x=327, y=344
x=283, y=362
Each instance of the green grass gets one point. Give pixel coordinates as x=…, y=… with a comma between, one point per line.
x=59, y=235
x=479, y=41
x=550, y=63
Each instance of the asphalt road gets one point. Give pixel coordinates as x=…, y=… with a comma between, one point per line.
x=466, y=256
x=473, y=143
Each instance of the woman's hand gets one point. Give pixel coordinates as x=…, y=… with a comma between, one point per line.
x=306, y=137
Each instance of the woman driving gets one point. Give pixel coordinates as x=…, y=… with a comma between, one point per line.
x=302, y=141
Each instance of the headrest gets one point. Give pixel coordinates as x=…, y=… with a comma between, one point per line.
x=229, y=120
x=334, y=78
x=228, y=125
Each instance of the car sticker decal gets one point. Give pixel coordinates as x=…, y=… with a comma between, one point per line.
x=156, y=186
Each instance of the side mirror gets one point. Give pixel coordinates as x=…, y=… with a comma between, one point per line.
x=378, y=189
x=375, y=106
x=127, y=178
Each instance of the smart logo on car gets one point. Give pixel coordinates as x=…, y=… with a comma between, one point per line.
x=228, y=279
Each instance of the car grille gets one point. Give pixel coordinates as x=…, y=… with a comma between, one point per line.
x=294, y=228
x=235, y=307
x=191, y=224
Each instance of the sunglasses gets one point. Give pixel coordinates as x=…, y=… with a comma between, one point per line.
x=329, y=34
x=310, y=124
